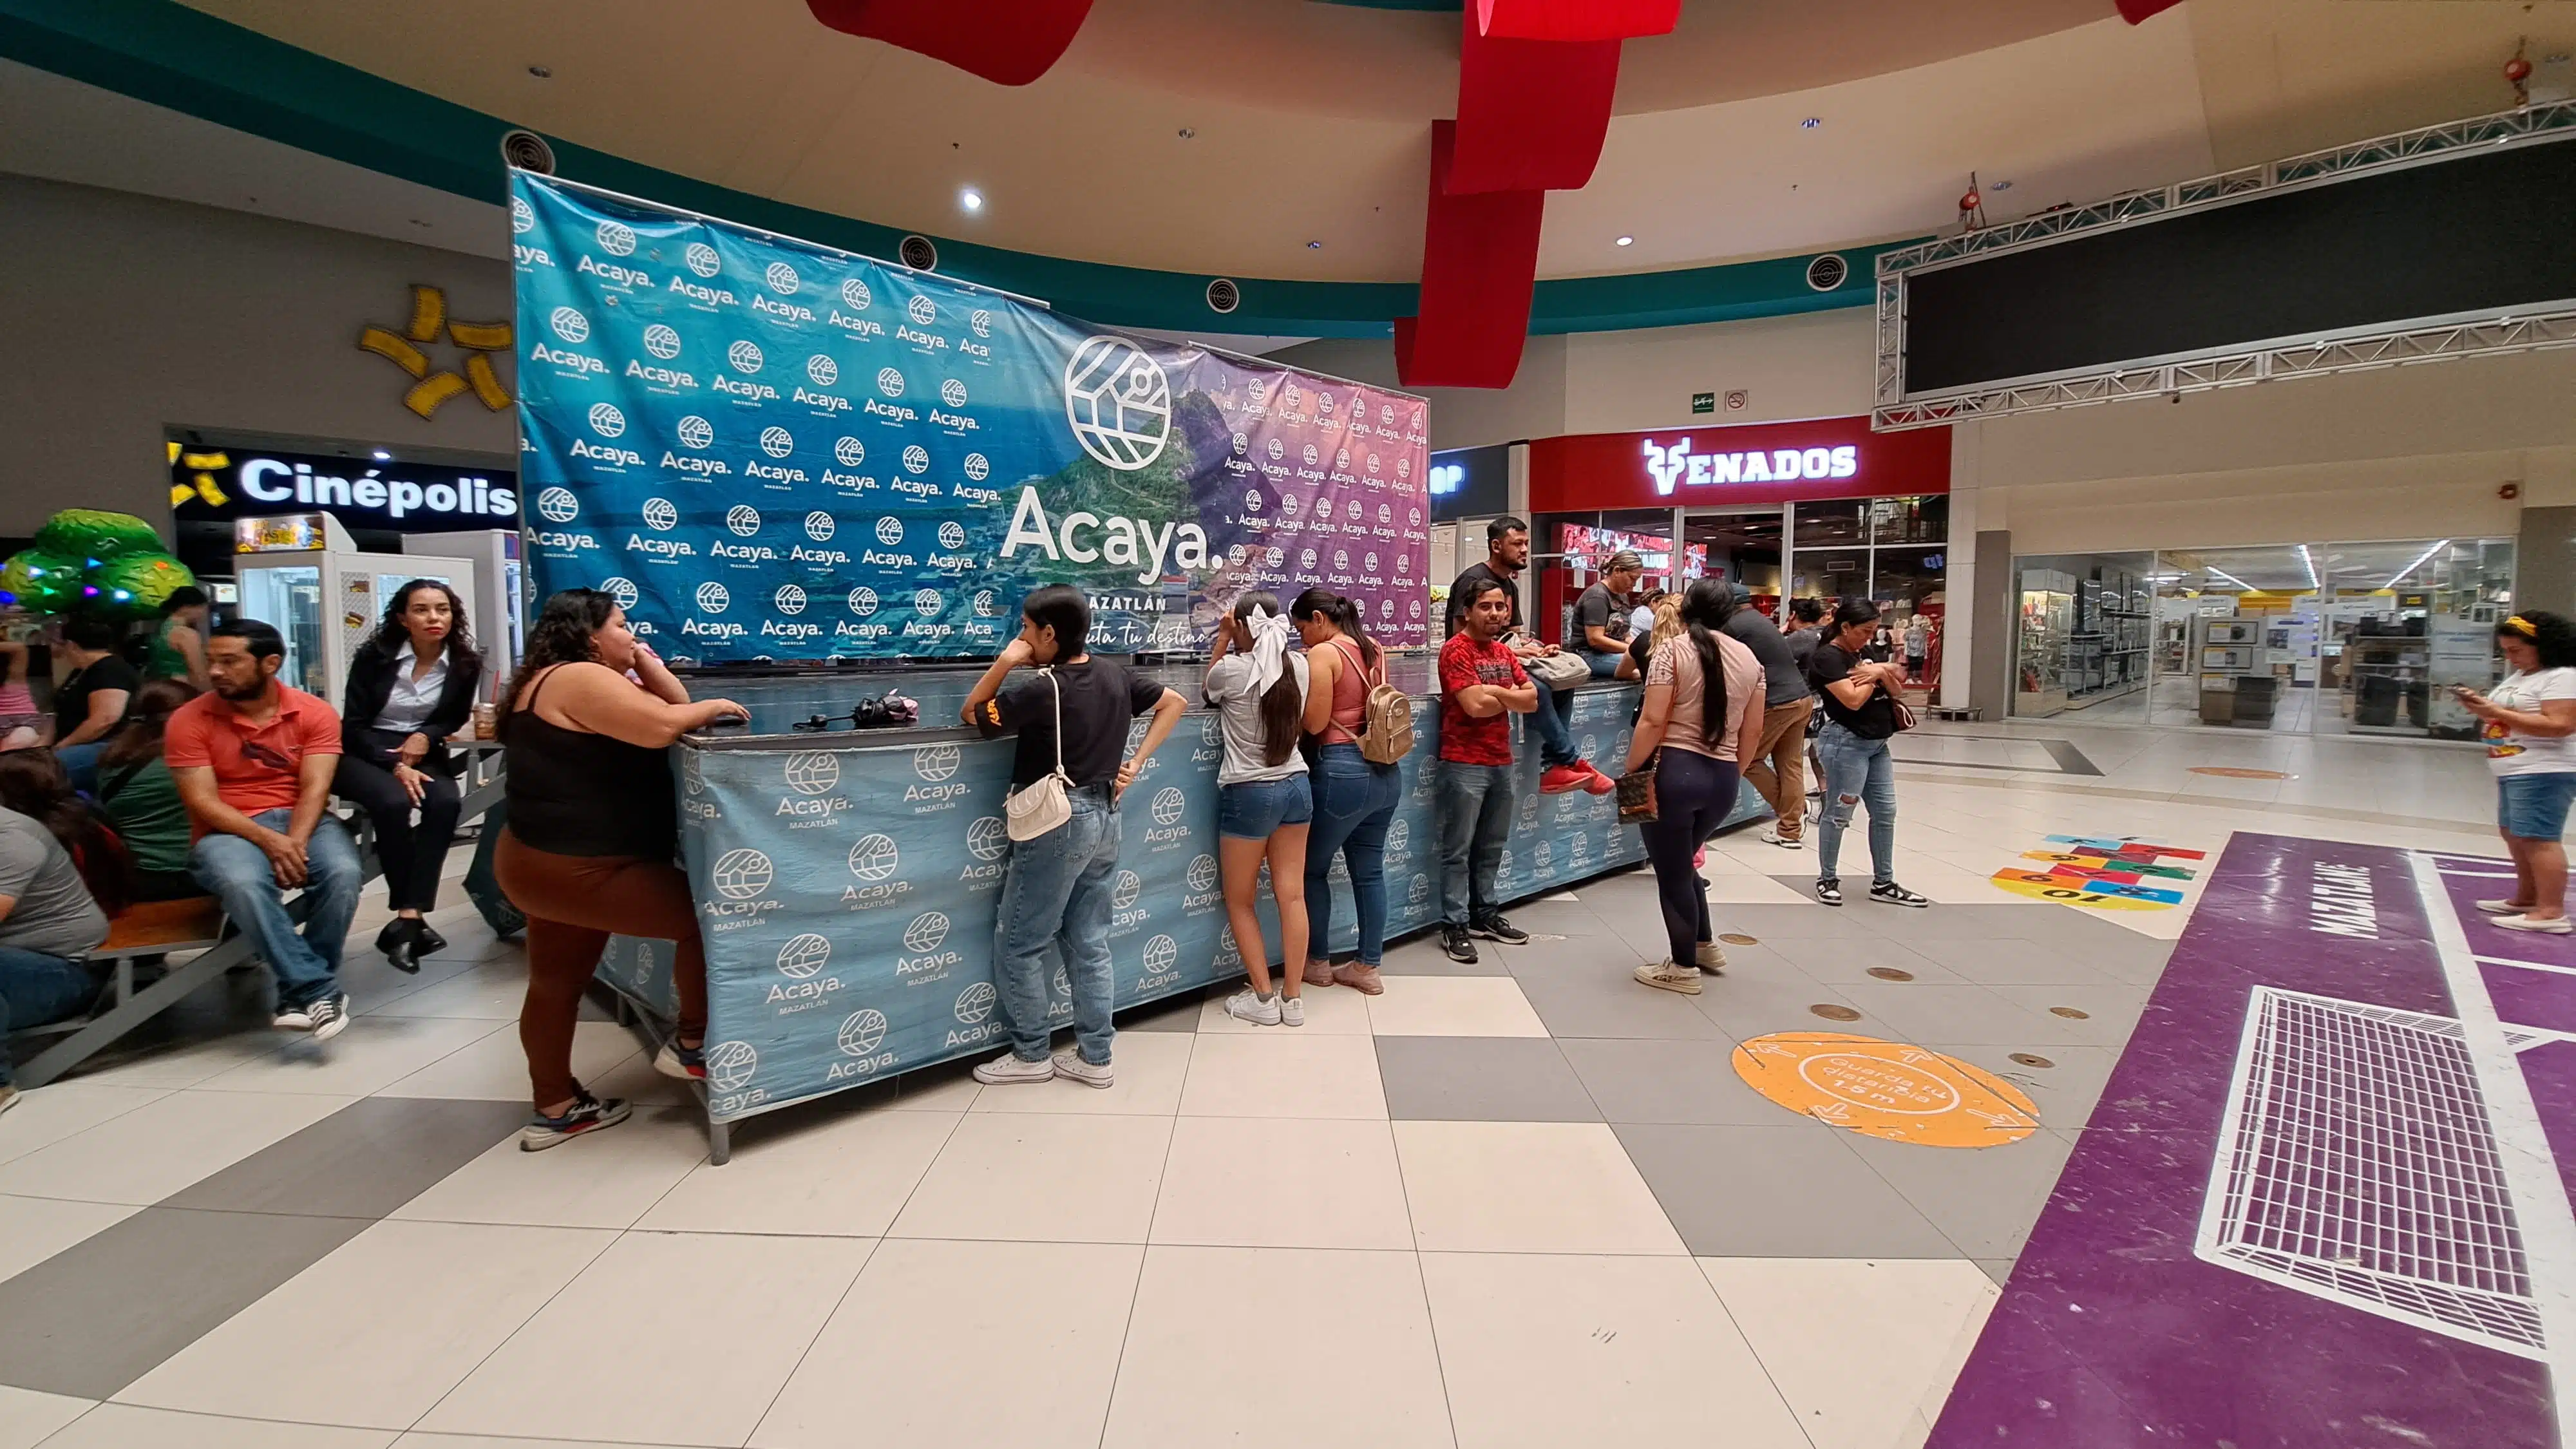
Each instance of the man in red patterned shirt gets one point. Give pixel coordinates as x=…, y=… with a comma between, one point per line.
x=1482, y=685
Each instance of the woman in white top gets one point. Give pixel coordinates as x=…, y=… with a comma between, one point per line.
x=2527, y=721
x=1702, y=714
x=409, y=688
x=1264, y=802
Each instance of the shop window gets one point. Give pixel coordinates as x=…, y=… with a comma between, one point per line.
x=1910, y=520
x=1830, y=525
x=2083, y=634
x=1829, y=574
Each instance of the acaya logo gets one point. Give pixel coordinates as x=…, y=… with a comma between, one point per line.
x=1675, y=465
x=1082, y=537
x=1118, y=401
x=874, y=861
x=741, y=878
x=936, y=786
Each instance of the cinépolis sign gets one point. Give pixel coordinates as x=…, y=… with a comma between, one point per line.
x=211, y=484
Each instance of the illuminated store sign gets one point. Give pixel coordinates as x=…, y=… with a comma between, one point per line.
x=1674, y=464
x=1753, y=464
x=221, y=484
x=1471, y=482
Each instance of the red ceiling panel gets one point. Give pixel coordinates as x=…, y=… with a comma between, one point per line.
x=1531, y=113
x=1008, y=42
x=2136, y=12
x=1479, y=263
x=1578, y=19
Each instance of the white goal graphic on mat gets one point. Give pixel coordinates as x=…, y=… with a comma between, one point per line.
x=2359, y=1162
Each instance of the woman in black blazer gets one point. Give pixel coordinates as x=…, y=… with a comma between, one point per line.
x=409, y=689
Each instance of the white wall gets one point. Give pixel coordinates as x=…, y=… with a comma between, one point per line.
x=128, y=315
x=1817, y=365
x=1532, y=407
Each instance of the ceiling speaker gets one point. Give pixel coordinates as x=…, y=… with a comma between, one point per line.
x=1223, y=296
x=528, y=151
x=918, y=254
x=1827, y=272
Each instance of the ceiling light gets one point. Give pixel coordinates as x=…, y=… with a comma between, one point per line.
x=1627, y=241
x=542, y=72
x=2003, y=186
x=2418, y=563
x=1812, y=123
x=2309, y=563
x=2216, y=572
x=971, y=199
x=1189, y=133
x=1314, y=246
x=382, y=456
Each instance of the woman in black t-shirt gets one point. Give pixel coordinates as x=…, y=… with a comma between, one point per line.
x=1071, y=718
x=1860, y=714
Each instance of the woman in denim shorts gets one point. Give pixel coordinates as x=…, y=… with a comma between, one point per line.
x=1264, y=803
x=2527, y=721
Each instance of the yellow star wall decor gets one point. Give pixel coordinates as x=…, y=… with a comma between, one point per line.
x=476, y=340
x=204, y=487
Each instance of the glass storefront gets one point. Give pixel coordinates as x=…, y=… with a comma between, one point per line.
x=2326, y=638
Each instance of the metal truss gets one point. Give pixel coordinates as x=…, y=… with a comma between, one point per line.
x=2398, y=346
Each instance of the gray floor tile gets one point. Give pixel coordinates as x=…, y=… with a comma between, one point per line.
x=2064, y=1091
x=1785, y=921
x=1602, y=999
x=1984, y=1199
x=1979, y=923
x=1834, y=959
x=1422, y=956
x=1480, y=1079
x=101, y=1314
x=1999, y=1269
x=1577, y=917
x=1915, y=1012
x=1792, y=1191
x=362, y=1161
x=1686, y=1082
x=1744, y=1007
x=2010, y=961
x=2110, y=1012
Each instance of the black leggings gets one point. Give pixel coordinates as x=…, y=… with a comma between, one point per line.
x=1693, y=795
x=413, y=855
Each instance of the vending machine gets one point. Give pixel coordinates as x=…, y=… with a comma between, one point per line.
x=303, y=574
x=496, y=607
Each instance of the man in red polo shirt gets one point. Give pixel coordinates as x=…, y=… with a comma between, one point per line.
x=1482, y=685
x=254, y=761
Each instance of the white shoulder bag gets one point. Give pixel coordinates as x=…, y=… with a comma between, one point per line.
x=1041, y=805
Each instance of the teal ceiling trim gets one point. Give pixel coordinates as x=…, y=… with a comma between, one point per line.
x=167, y=54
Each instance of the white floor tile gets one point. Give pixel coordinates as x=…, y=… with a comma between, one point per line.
x=495, y=1067
x=1286, y=1182
x=487, y=993
x=1068, y=1179
x=160, y=1147
x=187, y=1065
x=28, y=1418
x=1330, y=1011
x=1798, y=1314
x=603, y=1181
x=1453, y=1006
x=911, y=1356
x=1527, y=1187
x=33, y=1229
x=1282, y=1072
x=371, y=1055
x=419, y=1440
x=125, y=1426
x=681, y=1338
x=454, y=1292
x=1542, y=1351
x=49, y=1114
x=844, y=1175
x=1349, y=1331
x=1150, y=1068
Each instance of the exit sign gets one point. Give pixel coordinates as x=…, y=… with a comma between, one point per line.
x=1703, y=402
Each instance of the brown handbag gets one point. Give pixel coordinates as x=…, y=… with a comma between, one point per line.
x=1637, y=793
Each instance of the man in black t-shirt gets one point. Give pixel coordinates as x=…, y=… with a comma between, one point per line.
x=89, y=705
x=1860, y=714
x=1507, y=551
x=1071, y=718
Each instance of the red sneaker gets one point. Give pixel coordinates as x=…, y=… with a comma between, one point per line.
x=1596, y=782
x=1557, y=779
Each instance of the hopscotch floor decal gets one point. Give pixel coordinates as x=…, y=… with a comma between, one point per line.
x=2100, y=874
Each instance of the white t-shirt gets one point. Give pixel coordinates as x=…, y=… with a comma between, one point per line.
x=2510, y=753
x=1229, y=688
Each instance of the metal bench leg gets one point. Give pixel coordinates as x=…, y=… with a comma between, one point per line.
x=719, y=1142
x=136, y=1009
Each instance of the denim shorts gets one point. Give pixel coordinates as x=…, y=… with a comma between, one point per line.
x=2534, y=806
x=1256, y=809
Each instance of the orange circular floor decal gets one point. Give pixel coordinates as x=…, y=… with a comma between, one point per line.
x=1886, y=1089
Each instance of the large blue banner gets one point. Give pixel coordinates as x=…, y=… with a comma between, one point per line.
x=848, y=897
x=773, y=450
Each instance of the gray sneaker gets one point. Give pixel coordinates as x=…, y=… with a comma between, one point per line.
x=330, y=1015
x=1292, y=1011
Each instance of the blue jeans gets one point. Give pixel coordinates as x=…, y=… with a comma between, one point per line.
x=36, y=988
x=1604, y=666
x=81, y=763
x=1354, y=803
x=1553, y=719
x=1057, y=894
x=238, y=872
x=1474, y=806
x=1857, y=771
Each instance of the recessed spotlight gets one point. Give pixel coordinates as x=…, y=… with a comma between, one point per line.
x=1626, y=241
x=1189, y=133
x=1314, y=246
x=1812, y=123
x=542, y=72
x=971, y=199
x=381, y=456
x=2003, y=186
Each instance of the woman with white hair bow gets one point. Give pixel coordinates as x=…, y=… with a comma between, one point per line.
x=1264, y=803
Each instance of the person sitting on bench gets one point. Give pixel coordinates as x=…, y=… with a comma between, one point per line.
x=47, y=922
x=254, y=761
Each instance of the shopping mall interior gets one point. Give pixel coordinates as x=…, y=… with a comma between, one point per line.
x=2165, y=404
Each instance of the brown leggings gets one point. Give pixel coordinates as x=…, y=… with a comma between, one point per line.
x=573, y=904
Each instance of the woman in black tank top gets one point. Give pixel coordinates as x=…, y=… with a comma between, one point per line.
x=592, y=827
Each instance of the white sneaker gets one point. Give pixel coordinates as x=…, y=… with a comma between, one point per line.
x=2500, y=906
x=293, y=1018
x=1771, y=836
x=1710, y=957
x=1292, y=1011
x=2554, y=926
x=1007, y=1070
x=1250, y=1006
x=1665, y=976
x=1069, y=1063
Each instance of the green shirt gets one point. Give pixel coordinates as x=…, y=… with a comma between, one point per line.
x=165, y=661
x=148, y=816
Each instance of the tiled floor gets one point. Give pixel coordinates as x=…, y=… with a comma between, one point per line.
x=1529, y=1202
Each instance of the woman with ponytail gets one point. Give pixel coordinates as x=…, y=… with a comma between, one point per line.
x=1701, y=716
x=1354, y=799
x=1258, y=688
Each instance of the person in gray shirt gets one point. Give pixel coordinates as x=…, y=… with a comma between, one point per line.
x=46, y=919
x=1778, y=766
x=1601, y=621
x=1808, y=617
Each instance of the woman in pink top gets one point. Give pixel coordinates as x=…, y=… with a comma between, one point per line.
x=1702, y=714
x=1354, y=800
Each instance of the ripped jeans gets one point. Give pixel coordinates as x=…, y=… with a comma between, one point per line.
x=1857, y=772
